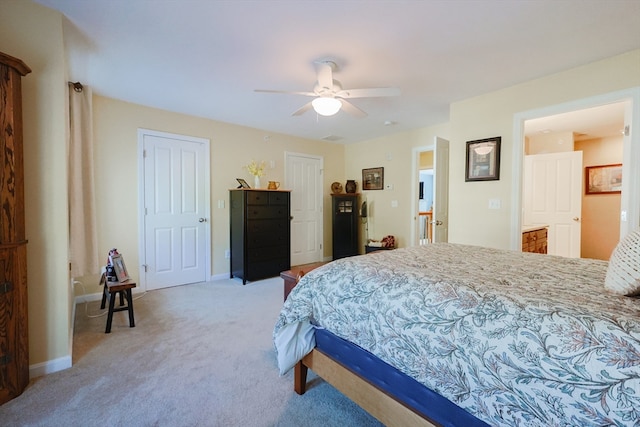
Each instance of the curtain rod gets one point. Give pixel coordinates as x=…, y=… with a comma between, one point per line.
x=77, y=86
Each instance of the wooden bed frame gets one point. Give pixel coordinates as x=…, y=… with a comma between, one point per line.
x=379, y=404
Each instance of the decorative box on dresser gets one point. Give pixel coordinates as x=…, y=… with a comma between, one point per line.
x=534, y=239
x=14, y=340
x=345, y=224
x=260, y=233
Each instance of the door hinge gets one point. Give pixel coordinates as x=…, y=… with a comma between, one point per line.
x=627, y=130
x=6, y=287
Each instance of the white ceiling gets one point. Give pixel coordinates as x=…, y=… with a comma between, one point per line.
x=206, y=57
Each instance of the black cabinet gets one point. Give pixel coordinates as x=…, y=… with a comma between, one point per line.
x=260, y=233
x=345, y=225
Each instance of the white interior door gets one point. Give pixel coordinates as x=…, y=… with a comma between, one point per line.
x=176, y=212
x=440, y=221
x=552, y=196
x=304, y=177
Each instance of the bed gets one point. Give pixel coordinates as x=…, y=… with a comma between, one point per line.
x=503, y=337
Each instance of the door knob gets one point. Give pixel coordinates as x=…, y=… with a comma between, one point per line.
x=202, y=220
x=576, y=219
x=437, y=222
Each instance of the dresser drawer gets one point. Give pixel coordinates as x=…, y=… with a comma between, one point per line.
x=257, y=198
x=268, y=253
x=278, y=198
x=274, y=226
x=267, y=238
x=266, y=212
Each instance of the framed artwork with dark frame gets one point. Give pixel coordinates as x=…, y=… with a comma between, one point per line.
x=483, y=160
x=373, y=179
x=604, y=179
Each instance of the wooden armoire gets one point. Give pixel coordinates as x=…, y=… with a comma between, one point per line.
x=14, y=340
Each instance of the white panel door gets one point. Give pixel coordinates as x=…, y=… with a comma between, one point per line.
x=440, y=221
x=304, y=178
x=552, y=196
x=175, y=220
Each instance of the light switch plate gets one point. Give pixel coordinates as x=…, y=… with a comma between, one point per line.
x=494, y=203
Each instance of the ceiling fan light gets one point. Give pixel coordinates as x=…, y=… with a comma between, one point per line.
x=326, y=106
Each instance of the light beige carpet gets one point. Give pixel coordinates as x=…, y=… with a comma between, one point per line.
x=200, y=355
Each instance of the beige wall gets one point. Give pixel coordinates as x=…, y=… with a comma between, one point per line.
x=34, y=34
x=116, y=125
x=600, y=212
x=426, y=160
x=470, y=219
x=556, y=142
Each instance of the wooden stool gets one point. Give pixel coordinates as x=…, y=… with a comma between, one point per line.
x=111, y=289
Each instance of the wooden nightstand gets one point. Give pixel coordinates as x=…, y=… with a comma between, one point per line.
x=291, y=276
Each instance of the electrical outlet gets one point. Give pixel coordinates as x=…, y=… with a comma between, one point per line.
x=227, y=254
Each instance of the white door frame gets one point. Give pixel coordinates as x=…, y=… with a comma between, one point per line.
x=630, y=200
x=142, y=254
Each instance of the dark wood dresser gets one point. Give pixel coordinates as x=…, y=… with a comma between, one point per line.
x=14, y=338
x=534, y=239
x=260, y=233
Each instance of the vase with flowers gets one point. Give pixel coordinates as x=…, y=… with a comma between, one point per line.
x=257, y=170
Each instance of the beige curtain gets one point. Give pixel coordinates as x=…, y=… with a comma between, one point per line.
x=83, y=240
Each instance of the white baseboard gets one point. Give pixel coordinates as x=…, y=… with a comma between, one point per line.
x=219, y=277
x=49, y=367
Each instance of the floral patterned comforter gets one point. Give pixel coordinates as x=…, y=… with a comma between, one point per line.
x=517, y=339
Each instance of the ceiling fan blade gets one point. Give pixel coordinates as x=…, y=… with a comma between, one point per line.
x=285, y=92
x=324, y=69
x=369, y=93
x=306, y=107
x=352, y=109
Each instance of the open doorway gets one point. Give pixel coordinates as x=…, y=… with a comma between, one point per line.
x=430, y=193
x=425, y=198
x=597, y=133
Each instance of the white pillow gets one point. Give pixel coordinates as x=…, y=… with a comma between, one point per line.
x=623, y=273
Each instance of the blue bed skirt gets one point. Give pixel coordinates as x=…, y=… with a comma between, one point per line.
x=403, y=388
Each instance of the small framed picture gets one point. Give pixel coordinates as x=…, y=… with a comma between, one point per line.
x=373, y=179
x=118, y=265
x=603, y=179
x=243, y=183
x=483, y=160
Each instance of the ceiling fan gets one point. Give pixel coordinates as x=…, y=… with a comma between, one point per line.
x=330, y=97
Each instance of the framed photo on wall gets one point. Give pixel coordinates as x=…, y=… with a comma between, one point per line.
x=605, y=179
x=373, y=179
x=483, y=160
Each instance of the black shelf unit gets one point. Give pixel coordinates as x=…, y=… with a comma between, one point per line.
x=345, y=216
